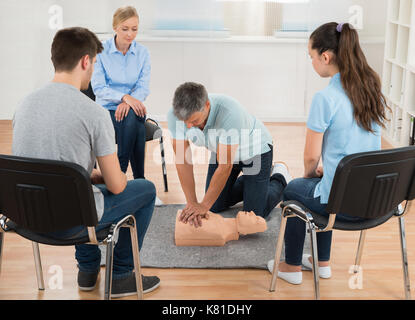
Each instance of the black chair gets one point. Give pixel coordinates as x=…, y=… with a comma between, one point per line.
x=38, y=197
x=153, y=132
x=369, y=185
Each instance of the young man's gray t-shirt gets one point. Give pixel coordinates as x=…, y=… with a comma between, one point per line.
x=58, y=122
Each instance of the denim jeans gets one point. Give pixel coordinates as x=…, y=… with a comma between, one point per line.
x=138, y=199
x=259, y=192
x=130, y=135
x=302, y=190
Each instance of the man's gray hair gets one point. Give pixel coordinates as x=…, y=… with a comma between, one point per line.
x=189, y=98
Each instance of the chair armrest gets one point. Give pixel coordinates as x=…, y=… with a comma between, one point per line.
x=294, y=207
x=154, y=121
x=3, y=224
x=301, y=211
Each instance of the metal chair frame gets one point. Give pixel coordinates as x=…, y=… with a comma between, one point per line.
x=163, y=160
x=110, y=242
x=30, y=174
x=292, y=211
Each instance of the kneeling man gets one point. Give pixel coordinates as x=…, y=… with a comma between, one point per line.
x=238, y=143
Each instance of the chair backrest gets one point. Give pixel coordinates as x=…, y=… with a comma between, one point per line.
x=89, y=92
x=153, y=131
x=46, y=195
x=371, y=184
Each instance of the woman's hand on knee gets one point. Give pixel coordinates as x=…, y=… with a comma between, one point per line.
x=122, y=111
x=135, y=104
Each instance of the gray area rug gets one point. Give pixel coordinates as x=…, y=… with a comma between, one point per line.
x=250, y=251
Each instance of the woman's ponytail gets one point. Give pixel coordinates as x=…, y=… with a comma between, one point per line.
x=360, y=82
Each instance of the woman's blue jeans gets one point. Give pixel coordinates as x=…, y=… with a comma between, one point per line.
x=259, y=192
x=138, y=199
x=130, y=135
x=302, y=190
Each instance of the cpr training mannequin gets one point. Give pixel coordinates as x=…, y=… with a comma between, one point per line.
x=217, y=230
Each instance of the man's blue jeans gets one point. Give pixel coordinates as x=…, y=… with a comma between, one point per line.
x=130, y=134
x=302, y=190
x=259, y=192
x=138, y=199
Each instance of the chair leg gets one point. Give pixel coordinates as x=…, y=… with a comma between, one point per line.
x=313, y=238
x=359, y=251
x=1, y=247
x=278, y=251
x=136, y=256
x=38, y=265
x=163, y=164
x=407, y=285
x=108, y=267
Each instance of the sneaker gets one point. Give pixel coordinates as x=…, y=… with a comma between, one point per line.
x=291, y=277
x=158, y=202
x=87, y=281
x=324, y=272
x=281, y=168
x=127, y=286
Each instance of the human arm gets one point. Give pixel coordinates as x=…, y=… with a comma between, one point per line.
x=114, y=179
x=137, y=106
x=100, y=86
x=184, y=168
x=141, y=88
x=319, y=121
x=312, y=154
x=225, y=157
x=121, y=111
x=96, y=177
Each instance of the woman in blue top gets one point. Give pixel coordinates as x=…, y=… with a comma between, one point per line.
x=345, y=118
x=121, y=83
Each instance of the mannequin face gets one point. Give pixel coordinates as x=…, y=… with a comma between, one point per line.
x=249, y=222
x=250, y=217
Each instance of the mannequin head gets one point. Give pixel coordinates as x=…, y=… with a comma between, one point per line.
x=249, y=222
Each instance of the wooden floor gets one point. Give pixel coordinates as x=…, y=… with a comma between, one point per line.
x=382, y=276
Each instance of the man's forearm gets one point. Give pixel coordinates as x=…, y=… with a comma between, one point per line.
x=217, y=183
x=187, y=181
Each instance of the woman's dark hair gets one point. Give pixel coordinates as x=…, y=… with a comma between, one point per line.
x=360, y=82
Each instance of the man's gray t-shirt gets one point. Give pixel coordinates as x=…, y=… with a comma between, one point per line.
x=58, y=122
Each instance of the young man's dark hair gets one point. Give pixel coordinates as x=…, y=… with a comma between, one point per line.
x=70, y=45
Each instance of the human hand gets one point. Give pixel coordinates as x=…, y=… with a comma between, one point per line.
x=135, y=104
x=122, y=111
x=319, y=172
x=96, y=177
x=194, y=213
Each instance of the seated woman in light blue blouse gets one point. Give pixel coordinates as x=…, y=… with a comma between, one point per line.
x=121, y=83
x=345, y=118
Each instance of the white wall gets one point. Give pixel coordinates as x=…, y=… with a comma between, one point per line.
x=318, y=12
x=253, y=73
